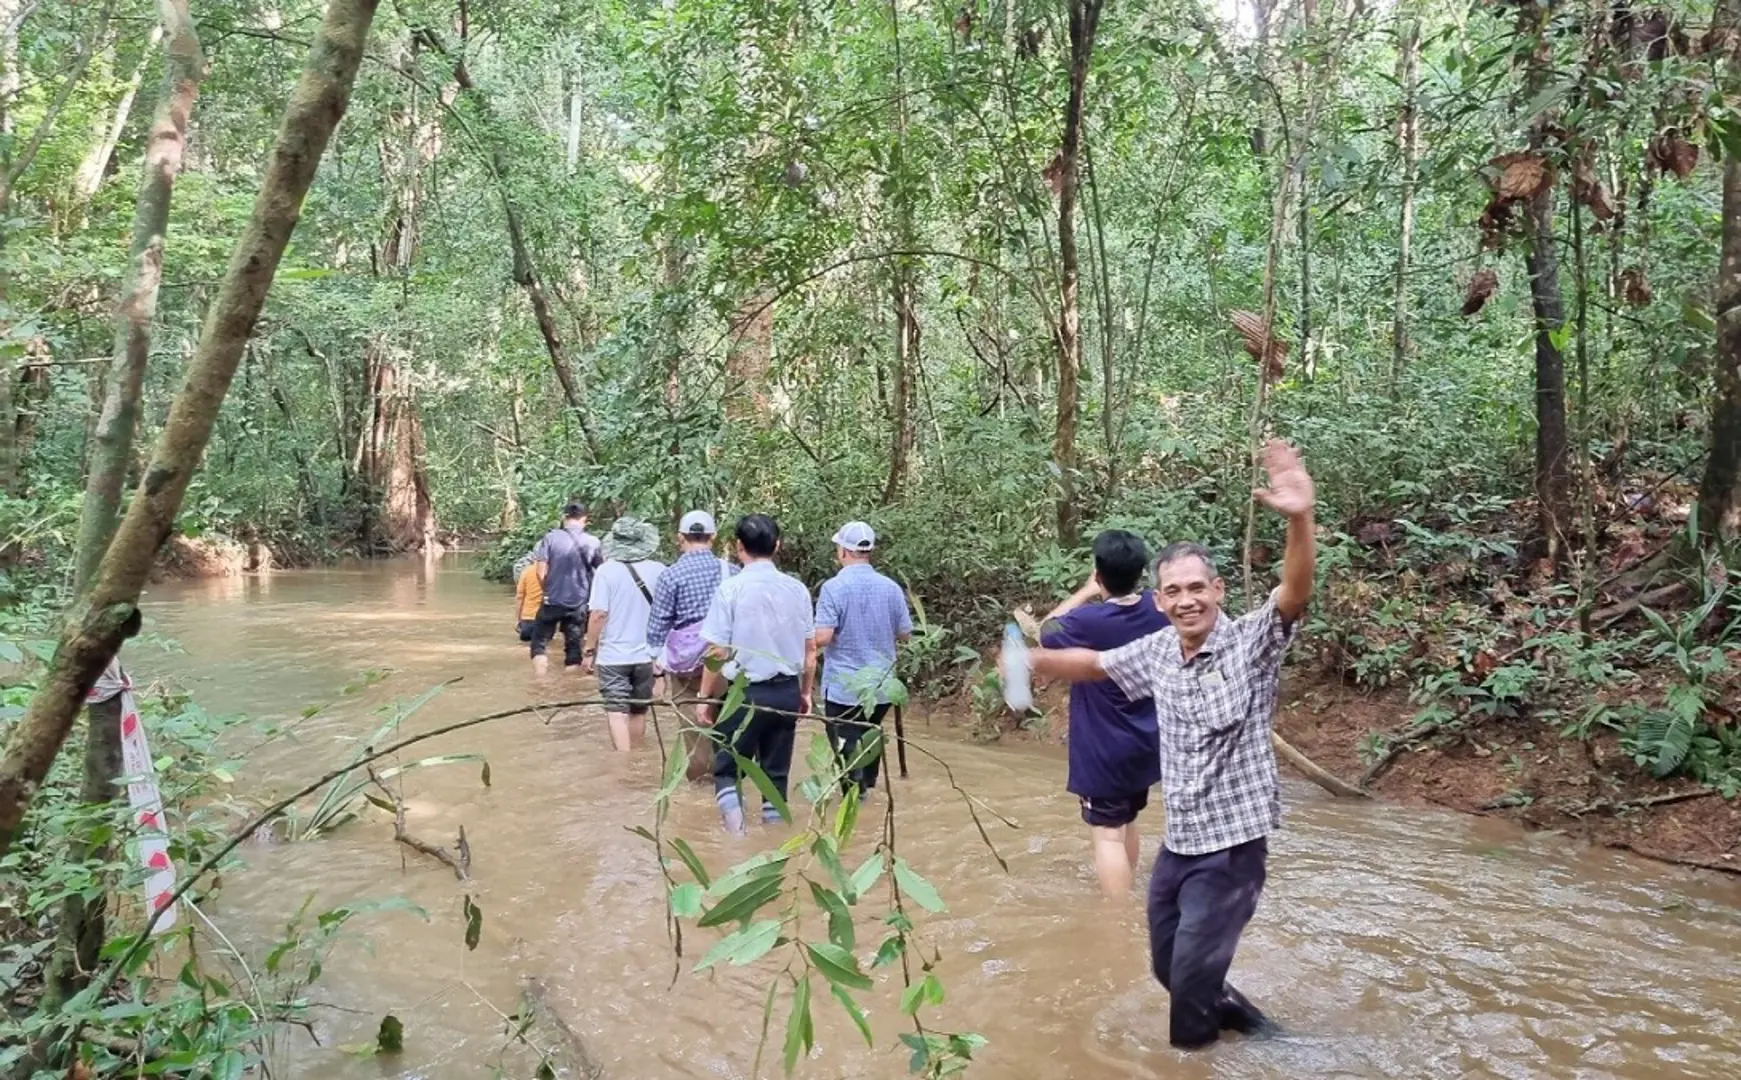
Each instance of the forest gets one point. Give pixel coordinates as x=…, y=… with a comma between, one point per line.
x=282, y=283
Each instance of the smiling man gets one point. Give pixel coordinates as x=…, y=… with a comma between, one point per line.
x=1213, y=680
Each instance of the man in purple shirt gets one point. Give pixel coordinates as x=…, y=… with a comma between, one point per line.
x=1115, y=752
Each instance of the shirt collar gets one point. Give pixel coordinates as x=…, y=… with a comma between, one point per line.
x=760, y=566
x=850, y=567
x=1218, y=635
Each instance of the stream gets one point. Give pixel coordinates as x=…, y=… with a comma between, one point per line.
x=1392, y=942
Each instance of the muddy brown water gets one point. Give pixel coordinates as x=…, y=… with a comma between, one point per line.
x=1394, y=942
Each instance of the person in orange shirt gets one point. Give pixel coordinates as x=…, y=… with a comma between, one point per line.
x=528, y=594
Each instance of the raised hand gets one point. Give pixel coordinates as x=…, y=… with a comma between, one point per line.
x=1290, y=492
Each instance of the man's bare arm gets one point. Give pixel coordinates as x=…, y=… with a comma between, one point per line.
x=1292, y=494
x=824, y=636
x=1071, y=665
x=1087, y=594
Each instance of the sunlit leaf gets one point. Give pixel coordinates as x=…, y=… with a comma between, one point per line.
x=917, y=887
x=837, y=965
x=799, y=1036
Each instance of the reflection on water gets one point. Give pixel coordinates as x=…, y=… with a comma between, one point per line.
x=1392, y=942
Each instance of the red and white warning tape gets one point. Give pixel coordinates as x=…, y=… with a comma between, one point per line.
x=151, y=842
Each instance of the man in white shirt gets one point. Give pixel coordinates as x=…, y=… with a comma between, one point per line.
x=616, y=629
x=761, y=623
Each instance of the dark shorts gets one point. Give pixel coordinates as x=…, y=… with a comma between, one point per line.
x=1114, y=813
x=570, y=620
x=626, y=687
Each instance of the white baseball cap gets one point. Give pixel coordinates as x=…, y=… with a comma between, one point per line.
x=856, y=536
x=697, y=523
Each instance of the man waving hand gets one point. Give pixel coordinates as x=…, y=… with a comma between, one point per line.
x=1213, y=679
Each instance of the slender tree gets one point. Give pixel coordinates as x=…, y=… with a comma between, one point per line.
x=1084, y=22
x=109, y=610
x=1717, y=487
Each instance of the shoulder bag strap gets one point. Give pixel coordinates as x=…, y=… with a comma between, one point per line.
x=639, y=584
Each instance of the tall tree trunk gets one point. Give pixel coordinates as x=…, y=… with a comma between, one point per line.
x=901, y=405
x=109, y=612
x=1717, y=487
x=112, y=445
x=576, y=113
x=82, y=927
x=906, y=317
x=17, y=424
x=1553, y=478
x=748, y=359
x=525, y=270
x=89, y=176
x=1408, y=144
x=1084, y=19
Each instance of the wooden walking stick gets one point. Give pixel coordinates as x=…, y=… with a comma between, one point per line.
x=900, y=742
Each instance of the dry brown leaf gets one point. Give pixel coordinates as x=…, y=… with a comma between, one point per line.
x=1589, y=190
x=1260, y=343
x=1669, y=152
x=1495, y=223
x=1522, y=175
x=1481, y=287
x=1053, y=174
x=1633, y=286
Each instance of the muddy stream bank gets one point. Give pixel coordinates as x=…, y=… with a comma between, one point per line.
x=1394, y=942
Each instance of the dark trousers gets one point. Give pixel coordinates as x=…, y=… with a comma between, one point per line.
x=763, y=737
x=846, y=731
x=1198, y=907
x=572, y=621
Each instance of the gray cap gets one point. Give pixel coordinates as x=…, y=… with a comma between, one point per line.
x=697, y=523
x=856, y=536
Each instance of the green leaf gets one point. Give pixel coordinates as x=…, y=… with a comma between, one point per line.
x=824, y=851
x=846, y=816
x=911, y=998
x=837, y=965
x=799, y=1036
x=840, y=929
x=744, y=901
x=486, y=774
x=686, y=900
x=229, y=1066
x=917, y=887
x=675, y=763
x=889, y=951
x=474, y=922
x=867, y=875
x=769, y=792
x=11, y=653
x=857, y=1014
x=390, y=1038
x=690, y=859
x=743, y=946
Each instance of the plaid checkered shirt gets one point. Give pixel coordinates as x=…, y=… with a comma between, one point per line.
x=682, y=594
x=868, y=613
x=1216, y=711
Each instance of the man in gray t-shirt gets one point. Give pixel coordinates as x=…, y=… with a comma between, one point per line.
x=564, y=560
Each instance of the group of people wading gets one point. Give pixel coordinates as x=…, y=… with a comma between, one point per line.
x=1165, y=687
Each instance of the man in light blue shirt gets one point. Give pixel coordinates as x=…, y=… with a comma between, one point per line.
x=860, y=617
x=761, y=624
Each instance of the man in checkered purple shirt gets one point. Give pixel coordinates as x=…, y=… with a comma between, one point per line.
x=1213, y=679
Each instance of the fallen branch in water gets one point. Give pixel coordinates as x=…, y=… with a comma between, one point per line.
x=1329, y=781
x=535, y=1000
x=1638, y=804
x=1676, y=860
x=460, y=865
x=1394, y=745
